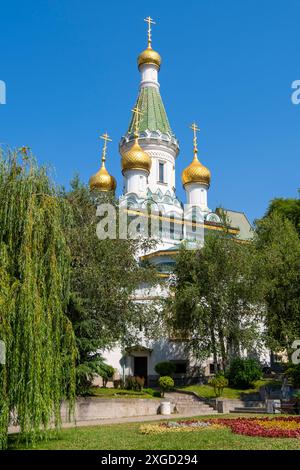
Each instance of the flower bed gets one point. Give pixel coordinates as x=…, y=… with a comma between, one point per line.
x=179, y=426
x=263, y=427
x=288, y=427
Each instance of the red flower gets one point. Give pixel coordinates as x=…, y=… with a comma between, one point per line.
x=263, y=427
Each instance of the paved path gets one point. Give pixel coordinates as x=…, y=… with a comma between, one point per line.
x=100, y=422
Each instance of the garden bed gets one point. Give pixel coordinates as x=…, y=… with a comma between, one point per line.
x=279, y=427
x=288, y=427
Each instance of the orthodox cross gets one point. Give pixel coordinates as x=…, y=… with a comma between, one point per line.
x=195, y=129
x=106, y=139
x=137, y=113
x=150, y=21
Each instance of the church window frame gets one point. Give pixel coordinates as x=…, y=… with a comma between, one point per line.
x=161, y=172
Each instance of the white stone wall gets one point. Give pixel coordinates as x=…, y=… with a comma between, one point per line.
x=94, y=408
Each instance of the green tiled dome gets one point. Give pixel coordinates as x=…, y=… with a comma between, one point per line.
x=154, y=116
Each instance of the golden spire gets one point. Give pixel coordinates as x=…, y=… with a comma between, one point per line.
x=150, y=21
x=149, y=56
x=102, y=180
x=135, y=158
x=196, y=172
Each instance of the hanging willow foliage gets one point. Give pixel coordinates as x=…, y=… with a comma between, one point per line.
x=34, y=290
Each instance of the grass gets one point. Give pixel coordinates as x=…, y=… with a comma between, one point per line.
x=118, y=393
x=127, y=437
x=206, y=391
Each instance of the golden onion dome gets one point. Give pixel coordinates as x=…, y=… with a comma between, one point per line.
x=196, y=173
x=136, y=159
x=102, y=180
x=149, y=56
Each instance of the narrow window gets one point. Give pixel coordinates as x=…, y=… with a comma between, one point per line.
x=172, y=227
x=160, y=224
x=194, y=218
x=161, y=170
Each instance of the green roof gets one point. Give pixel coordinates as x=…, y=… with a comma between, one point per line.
x=154, y=117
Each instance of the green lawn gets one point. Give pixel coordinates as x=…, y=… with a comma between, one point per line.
x=206, y=391
x=127, y=436
x=118, y=393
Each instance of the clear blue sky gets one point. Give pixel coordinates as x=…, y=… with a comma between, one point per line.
x=70, y=71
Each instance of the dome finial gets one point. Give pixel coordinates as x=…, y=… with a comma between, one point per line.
x=150, y=21
x=195, y=129
x=102, y=180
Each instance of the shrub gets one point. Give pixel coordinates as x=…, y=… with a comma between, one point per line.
x=218, y=382
x=296, y=395
x=293, y=373
x=140, y=382
x=117, y=383
x=134, y=383
x=165, y=368
x=107, y=372
x=165, y=383
x=130, y=382
x=243, y=372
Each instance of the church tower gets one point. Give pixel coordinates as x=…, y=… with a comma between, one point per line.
x=149, y=128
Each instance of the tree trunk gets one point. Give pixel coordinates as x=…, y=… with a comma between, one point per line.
x=214, y=349
x=223, y=349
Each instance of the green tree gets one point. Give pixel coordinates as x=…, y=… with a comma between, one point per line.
x=105, y=274
x=243, y=372
x=278, y=246
x=218, y=382
x=34, y=280
x=166, y=384
x=288, y=208
x=216, y=299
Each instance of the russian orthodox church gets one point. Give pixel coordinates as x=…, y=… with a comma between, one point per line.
x=149, y=150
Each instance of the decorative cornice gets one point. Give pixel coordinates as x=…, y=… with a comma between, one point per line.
x=206, y=224
x=147, y=138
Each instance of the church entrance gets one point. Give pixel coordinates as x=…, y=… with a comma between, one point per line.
x=141, y=367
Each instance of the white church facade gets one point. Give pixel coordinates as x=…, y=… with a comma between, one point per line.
x=149, y=150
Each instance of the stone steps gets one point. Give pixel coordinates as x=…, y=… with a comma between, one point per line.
x=197, y=410
x=190, y=404
x=249, y=409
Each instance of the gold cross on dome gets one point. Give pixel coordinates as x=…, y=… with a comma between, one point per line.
x=106, y=139
x=195, y=129
x=138, y=113
x=150, y=21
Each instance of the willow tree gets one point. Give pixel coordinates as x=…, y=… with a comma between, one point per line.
x=34, y=291
x=105, y=275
